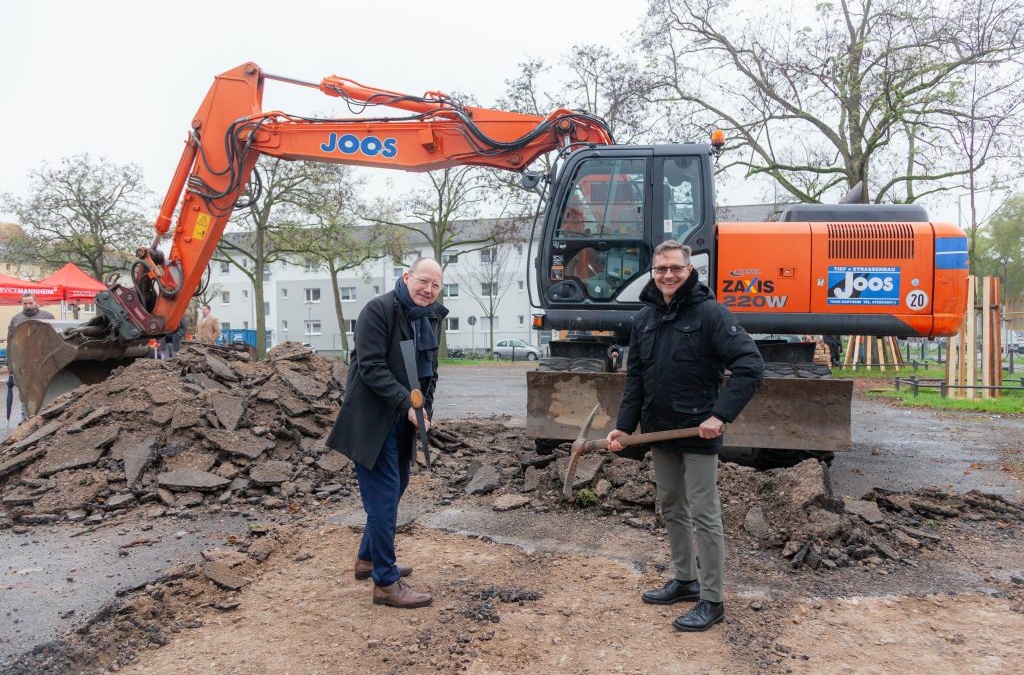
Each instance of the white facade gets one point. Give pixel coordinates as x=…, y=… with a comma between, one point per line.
x=299, y=302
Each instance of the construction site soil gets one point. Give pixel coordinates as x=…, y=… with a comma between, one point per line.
x=922, y=581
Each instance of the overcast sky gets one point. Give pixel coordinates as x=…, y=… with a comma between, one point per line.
x=122, y=80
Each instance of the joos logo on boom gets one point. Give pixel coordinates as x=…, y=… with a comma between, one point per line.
x=371, y=146
x=863, y=285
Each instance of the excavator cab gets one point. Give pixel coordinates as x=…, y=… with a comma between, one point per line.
x=611, y=207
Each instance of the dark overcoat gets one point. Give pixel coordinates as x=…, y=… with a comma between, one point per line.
x=377, y=390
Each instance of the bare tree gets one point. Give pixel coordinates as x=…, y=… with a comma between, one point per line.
x=263, y=229
x=335, y=238
x=487, y=281
x=86, y=211
x=820, y=97
x=443, y=217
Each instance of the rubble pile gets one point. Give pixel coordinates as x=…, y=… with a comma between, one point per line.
x=211, y=428
x=790, y=510
x=207, y=427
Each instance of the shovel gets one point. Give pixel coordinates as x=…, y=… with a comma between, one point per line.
x=581, y=445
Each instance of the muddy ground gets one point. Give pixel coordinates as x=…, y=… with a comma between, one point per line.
x=918, y=580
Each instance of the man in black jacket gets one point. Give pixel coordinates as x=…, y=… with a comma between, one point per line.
x=377, y=424
x=681, y=344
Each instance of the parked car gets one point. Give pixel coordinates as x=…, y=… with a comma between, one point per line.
x=516, y=350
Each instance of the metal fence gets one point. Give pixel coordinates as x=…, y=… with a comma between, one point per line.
x=917, y=383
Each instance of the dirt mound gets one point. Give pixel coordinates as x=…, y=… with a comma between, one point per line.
x=791, y=511
x=209, y=427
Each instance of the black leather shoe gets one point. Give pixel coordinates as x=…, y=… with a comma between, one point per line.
x=673, y=592
x=704, y=615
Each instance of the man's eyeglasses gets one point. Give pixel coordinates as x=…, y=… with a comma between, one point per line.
x=676, y=270
x=425, y=281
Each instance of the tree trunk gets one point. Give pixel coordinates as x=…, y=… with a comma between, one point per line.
x=339, y=312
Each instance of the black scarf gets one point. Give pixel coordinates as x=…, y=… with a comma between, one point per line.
x=423, y=333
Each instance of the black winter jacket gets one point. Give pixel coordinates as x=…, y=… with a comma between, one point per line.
x=678, y=355
x=377, y=390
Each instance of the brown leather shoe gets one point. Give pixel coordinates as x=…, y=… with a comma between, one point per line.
x=364, y=568
x=400, y=594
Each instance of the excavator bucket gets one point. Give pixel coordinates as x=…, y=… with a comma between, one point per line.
x=47, y=363
x=785, y=414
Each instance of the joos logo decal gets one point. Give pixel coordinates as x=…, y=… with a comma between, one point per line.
x=749, y=293
x=371, y=146
x=863, y=285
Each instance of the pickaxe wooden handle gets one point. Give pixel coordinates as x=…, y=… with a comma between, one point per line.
x=581, y=446
x=640, y=439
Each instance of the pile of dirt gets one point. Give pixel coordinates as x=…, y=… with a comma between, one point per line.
x=206, y=428
x=791, y=511
x=212, y=430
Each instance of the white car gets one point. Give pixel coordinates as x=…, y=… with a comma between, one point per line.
x=517, y=350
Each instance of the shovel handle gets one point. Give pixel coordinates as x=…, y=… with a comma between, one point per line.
x=643, y=439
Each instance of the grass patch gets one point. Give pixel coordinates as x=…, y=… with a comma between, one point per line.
x=1011, y=403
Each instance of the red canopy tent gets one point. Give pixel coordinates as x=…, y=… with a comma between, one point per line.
x=73, y=284
x=11, y=289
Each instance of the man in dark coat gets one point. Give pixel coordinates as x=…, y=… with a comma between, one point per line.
x=376, y=426
x=680, y=346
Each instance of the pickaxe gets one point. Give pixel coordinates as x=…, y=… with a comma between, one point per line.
x=581, y=445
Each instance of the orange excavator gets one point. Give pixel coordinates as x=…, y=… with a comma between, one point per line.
x=843, y=269
x=228, y=134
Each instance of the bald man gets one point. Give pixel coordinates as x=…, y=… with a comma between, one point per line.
x=377, y=425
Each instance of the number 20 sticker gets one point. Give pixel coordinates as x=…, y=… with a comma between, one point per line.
x=917, y=300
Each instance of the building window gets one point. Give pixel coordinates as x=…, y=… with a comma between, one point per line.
x=376, y=289
x=521, y=285
x=488, y=255
x=89, y=307
x=266, y=308
x=519, y=249
x=245, y=294
x=312, y=294
x=396, y=272
x=453, y=324
x=225, y=267
x=451, y=290
x=266, y=273
x=488, y=290
x=225, y=297
x=225, y=328
x=348, y=292
x=245, y=325
x=284, y=293
x=284, y=326
x=450, y=258
x=522, y=319
x=351, y=326
x=312, y=327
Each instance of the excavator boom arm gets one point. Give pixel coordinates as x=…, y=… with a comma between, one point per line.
x=230, y=131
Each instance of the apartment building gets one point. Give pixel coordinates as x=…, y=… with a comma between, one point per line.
x=299, y=303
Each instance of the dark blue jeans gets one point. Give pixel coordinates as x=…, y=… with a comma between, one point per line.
x=381, y=489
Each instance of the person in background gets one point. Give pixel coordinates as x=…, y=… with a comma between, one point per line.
x=29, y=310
x=208, y=329
x=681, y=344
x=835, y=346
x=377, y=424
